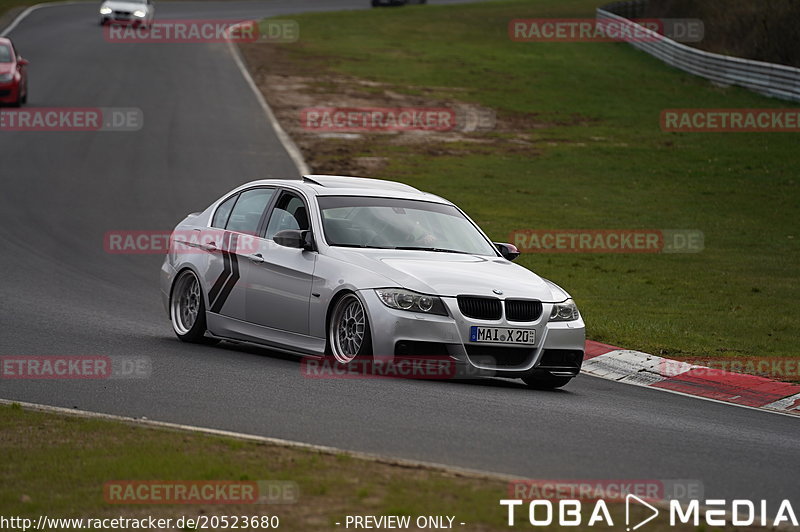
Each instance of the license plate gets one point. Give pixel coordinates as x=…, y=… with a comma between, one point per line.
x=502, y=335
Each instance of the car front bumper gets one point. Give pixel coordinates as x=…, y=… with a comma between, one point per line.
x=558, y=349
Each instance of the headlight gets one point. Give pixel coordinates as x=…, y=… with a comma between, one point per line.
x=8, y=76
x=139, y=13
x=400, y=299
x=566, y=311
x=105, y=10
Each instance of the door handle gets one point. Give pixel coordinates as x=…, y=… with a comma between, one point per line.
x=211, y=246
x=257, y=258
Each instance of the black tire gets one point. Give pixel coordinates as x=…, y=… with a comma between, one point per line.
x=24, y=99
x=187, y=309
x=546, y=383
x=349, y=341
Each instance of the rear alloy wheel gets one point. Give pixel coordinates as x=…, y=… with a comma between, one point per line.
x=348, y=330
x=546, y=383
x=187, y=310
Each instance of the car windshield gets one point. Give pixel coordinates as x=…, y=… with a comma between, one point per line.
x=5, y=54
x=392, y=223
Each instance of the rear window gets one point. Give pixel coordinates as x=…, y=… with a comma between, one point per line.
x=223, y=211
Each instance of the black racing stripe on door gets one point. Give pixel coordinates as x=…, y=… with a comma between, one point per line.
x=226, y=270
x=234, y=278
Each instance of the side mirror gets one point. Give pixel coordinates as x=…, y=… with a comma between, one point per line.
x=294, y=238
x=508, y=251
x=22, y=62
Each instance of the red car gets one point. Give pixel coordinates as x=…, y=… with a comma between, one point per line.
x=13, y=75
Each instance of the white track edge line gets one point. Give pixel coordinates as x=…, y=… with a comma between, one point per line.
x=30, y=9
x=14, y=23
x=287, y=142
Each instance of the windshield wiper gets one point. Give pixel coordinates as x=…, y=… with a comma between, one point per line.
x=438, y=250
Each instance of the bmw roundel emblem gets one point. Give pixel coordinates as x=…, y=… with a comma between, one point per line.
x=498, y=291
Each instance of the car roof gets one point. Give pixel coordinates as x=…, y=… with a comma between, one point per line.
x=336, y=185
x=5, y=40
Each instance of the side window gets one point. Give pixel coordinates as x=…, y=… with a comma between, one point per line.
x=223, y=211
x=289, y=213
x=246, y=214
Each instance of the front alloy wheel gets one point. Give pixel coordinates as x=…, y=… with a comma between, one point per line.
x=348, y=330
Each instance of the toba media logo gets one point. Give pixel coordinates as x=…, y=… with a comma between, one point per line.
x=712, y=512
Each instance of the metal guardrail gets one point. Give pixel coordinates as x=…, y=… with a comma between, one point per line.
x=777, y=81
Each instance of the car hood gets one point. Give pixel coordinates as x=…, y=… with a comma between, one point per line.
x=125, y=6
x=5, y=68
x=450, y=274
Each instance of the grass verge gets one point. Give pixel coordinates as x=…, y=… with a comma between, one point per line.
x=578, y=145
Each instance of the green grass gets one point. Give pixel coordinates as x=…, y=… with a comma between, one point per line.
x=613, y=168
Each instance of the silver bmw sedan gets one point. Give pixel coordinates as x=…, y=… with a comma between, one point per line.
x=352, y=269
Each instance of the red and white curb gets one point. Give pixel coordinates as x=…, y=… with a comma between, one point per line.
x=643, y=369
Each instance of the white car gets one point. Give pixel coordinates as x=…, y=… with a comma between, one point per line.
x=134, y=12
x=357, y=269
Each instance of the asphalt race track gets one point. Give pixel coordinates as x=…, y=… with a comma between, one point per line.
x=205, y=133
